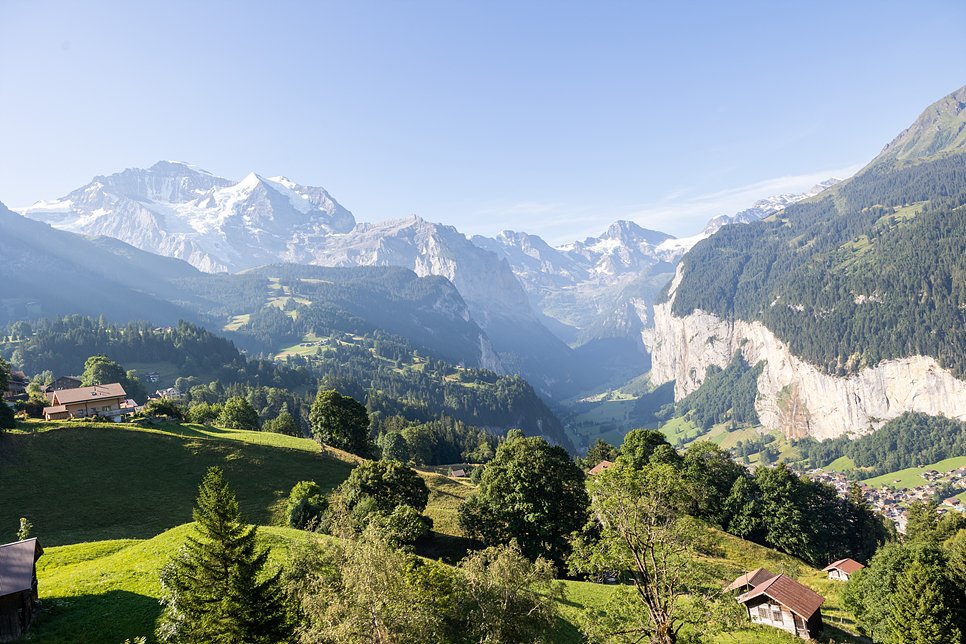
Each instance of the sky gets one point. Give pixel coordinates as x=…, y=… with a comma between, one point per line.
x=553, y=118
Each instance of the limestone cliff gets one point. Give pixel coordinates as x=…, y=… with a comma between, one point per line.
x=793, y=396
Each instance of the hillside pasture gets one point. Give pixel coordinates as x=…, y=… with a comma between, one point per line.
x=79, y=482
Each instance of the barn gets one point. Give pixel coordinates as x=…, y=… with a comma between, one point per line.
x=18, y=587
x=784, y=603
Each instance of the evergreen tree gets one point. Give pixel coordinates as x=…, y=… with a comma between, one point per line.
x=215, y=589
x=920, y=613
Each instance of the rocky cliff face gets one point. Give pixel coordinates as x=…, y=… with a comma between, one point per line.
x=795, y=397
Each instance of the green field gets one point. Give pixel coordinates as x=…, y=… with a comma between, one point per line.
x=840, y=465
x=910, y=478
x=81, y=482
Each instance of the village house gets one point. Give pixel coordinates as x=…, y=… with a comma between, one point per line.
x=171, y=393
x=841, y=569
x=16, y=385
x=784, y=603
x=18, y=587
x=64, y=382
x=100, y=400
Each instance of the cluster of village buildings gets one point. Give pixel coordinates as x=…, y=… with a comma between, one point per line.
x=891, y=502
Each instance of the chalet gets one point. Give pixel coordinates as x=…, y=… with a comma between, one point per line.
x=171, y=393
x=152, y=376
x=600, y=467
x=784, y=603
x=842, y=568
x=64, y=382
x=751, y=580
x=458, y=474
x=18, y=587
x=83, y=402
x=16, y=385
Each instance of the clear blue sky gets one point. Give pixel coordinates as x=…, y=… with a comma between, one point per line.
x=556, y=118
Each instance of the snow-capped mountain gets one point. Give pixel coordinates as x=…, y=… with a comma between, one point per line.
x=762, y=208
x=216, y=224
x=578, y=285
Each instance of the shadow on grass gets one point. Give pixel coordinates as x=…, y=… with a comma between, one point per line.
x=447, y=547
x=113, y=616
x=564, y=632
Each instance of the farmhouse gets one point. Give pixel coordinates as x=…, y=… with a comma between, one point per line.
x=842, y=568
x=784, y=603
x=99, y=400
x=751, y=580
x=18, y=587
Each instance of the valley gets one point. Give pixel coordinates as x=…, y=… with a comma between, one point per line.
x=620, y=426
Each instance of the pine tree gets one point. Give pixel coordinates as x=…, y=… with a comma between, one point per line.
x=920, y=614
x=214, y=588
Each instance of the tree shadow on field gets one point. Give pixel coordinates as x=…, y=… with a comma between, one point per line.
x=107, y=618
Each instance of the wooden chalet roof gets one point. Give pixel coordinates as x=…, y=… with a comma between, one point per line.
x=17, y=565
x=92, y=394
x=848, y=566
x=600, y=467
x=788, y=592
x=753, y=579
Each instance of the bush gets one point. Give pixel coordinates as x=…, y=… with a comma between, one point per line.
x=306, y=505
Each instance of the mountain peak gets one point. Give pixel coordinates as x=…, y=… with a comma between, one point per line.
x=940, y=128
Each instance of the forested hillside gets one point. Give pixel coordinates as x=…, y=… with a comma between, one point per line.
x=912, y=440
x=401, y=388
x=870, y=272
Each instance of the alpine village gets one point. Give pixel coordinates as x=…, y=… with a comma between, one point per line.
x=319, y=431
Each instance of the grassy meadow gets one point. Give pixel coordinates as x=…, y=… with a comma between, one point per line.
x=111, y=504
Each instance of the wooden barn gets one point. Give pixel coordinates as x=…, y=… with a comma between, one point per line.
x=784, y=603
x=18, y=587
x=841, y=569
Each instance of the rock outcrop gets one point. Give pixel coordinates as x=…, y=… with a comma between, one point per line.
x=794, y=396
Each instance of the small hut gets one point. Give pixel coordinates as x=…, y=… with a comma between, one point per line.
x=784, y=603
x=841, y=569
x=18, y=587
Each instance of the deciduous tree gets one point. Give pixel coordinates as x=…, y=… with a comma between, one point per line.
x=531, y=492
x=638, y=532
x=340, y=421
x=238, y=413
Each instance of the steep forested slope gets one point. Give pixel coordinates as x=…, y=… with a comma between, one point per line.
x=873, y=271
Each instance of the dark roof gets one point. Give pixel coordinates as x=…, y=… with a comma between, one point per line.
x=17, y=565
x=848, y=566
x=95, y=393
x=788, y=592
x=753, y=578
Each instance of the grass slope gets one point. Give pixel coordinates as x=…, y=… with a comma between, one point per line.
x=81, y=482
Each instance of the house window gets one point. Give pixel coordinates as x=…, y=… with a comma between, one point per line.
x=763, y=612
x=776, y=614
x=800, y=623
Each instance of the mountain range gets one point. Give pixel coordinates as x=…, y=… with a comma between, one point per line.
x=613, y=297
x=533, y=300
